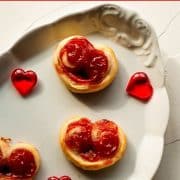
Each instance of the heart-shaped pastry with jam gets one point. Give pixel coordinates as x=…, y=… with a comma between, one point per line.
x=24, y=81
x=139, y=86
x=83, y=67
x=19, y=161
x=92, y=146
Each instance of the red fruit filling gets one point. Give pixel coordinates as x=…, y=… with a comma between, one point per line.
x=105, y=139
x=93, y=141
x=78, y=136
x=20, y=164
x=88, y=65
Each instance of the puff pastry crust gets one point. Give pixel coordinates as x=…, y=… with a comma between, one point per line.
x=84, y=164
x=7, y=149
x=85, y=87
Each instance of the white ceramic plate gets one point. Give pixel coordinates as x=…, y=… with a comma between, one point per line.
x=38, y=118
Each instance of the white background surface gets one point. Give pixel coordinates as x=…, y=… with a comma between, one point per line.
x=17, y=17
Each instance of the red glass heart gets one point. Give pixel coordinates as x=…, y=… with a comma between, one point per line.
x=53, y=178
x=60, y=178
x=64, y=178
x=139, y=86
x=24, y=81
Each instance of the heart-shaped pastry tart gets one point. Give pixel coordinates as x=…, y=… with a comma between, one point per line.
x=19, y=161
x=24, y=81
x=92, y=146
x=139, y=86
x=84, y=68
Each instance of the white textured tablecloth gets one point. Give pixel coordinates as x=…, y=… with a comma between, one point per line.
x=17, y=17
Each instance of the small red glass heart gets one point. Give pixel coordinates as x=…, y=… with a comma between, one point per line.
x=53, y=178
x=24, y=81
x=59, y=178
x=139, y=86
x=64, y=178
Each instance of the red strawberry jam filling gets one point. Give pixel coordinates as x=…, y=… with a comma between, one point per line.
x=105, y=138
x=20, y=164
x=78, y=136
x=86, y=64
x=93, y=141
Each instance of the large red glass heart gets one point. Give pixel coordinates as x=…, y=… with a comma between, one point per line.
x=24, y=81
x=139, y=86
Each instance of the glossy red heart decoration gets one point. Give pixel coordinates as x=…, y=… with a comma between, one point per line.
x=139, y=86
x=53, y=178
x=24, y=81
x=59, y=178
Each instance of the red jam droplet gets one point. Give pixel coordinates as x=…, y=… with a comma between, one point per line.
x=95, y=140
x=88, y=65
x=22, y=163
x=24, y=81
x=139, y=86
